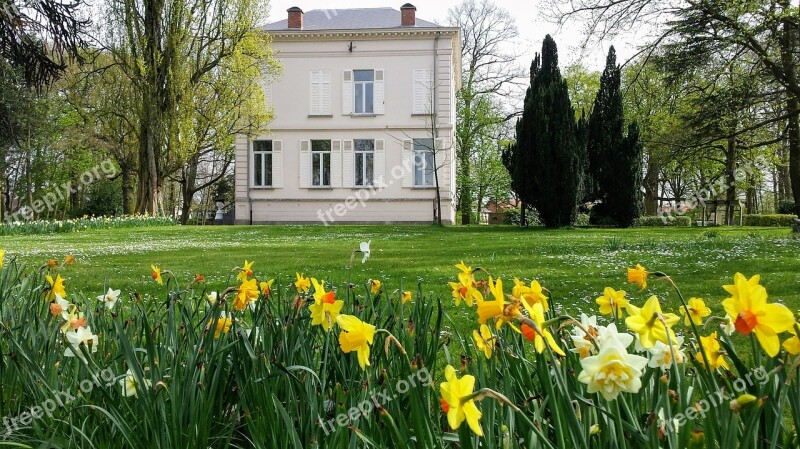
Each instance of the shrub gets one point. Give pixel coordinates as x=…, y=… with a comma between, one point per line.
x=582, y=220
x=654, y=220
x=786, y=207
x=771, y=220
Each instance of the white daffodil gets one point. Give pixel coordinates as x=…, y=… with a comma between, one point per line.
x=129, y=385
x=728, y=326
x=612, y=371
x=610, y=333
x=583, y=336
x=110, y=298
x=82, y=336
x=60, y=306
x=212, y=298
x=365, y=250
x=661, y=356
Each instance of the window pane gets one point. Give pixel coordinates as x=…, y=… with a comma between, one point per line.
x=268, y=169
x=365, y=145
x=359, y=109
x=257, y=169
x=423, y=144
x=262, y=145
x=364, y=75
x=419, y=165
x=326, y=169
x=368, y=177
x=359, y=168
x=315, y=166
x=320, y=145
x=369, y=107
x=429, y=168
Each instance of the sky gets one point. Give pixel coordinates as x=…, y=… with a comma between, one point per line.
x=530, y=21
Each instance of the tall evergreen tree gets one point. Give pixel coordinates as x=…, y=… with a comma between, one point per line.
x=545, y=165
x=628, y=204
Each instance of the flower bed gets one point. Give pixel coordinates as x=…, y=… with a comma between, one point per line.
x=82, y=224
x=263, y=363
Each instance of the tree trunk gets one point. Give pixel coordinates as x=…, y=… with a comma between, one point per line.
x=651, y=189
x=128, y=191
x=730, y=181
x=788, y=51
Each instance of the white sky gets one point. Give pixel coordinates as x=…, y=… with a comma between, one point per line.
x=532, y=27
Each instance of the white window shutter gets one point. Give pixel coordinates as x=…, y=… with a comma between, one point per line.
x=277, y=164
x=379, y=93
x=316, y=87
x=379, y=161
x=336, y=164
x=325, y=92
x=348, y=162
x=347, y=92
x=305, y=164
x=423, y=80
x=408, y=163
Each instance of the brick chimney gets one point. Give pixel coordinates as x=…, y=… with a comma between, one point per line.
x=295, y=18
x=409, y=15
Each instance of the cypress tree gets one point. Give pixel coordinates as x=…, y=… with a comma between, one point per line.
x=545, y=165
x=628, y=204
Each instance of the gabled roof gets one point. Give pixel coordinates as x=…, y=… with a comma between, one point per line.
x=350, y=19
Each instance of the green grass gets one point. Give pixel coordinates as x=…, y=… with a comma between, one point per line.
x=574, y=264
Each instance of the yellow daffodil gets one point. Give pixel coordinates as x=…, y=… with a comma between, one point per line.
x=302, y=284
x=464, y=269
x=484, y=340
x=792, y=345
x=499, y=309
x=455, y=404
x=156, y=274
x=647, y=322
x=223, y=325
x=638, y=276
x=750, y=311
x=375, y=286
x=530, y=294
x=697, y=310
x=612, y=371
x=2, y=255
x=69, y=260
x=356, y=336
x=406, y=297
x=540, y=335
x=246, y=271
x=130, y=387
x=465, y=290
x=711, y=348
x=326, y=308
x=246, y=293
x=612, y=302
x=266, y=287
x=56, y=287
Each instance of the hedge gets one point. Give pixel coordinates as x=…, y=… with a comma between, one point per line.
x=655, y=220
x=774, y=220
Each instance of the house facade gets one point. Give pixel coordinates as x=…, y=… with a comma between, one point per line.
x=364, y=125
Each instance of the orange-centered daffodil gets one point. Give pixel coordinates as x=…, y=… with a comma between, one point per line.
x=326, y=308
x=156, y=274
x=455, y=404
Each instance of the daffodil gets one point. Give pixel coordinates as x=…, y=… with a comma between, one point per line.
x=651, y=323
x=792, y=345
x=456, y=401
x=130, y=387
x=750, y=311
x=364, y=249
x=223, y=325
x=612, y=371
x=584, y=336
x=60, y=306
x=484, y=340
x=56, y=287
x=375, y=286
x=81, y=337
x=406, y=296
x=638, y=276
x=465, y=290
x=302, y=284
x=73, y=321
x=499, y=309
x=246, y=293
x=2, y=256
x=695, y=311
x=266, y=287
x=612, y=302
x=661, y=355
x=530, y=294
x=110, y=298
x=69, y=260
x=710, y=347
x=541, y=334
x=464, y=269
x=326, y=308
x=246, y=271
x=356, y=336
x=156, y=274
x=212, y=298
x=52, y=263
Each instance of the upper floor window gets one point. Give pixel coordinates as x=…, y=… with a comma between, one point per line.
x=364, y=83
x=423, y=163
x=321, y=163
x=262, y=163
x=364, y=162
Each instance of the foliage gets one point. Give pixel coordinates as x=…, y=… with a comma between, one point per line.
x=545, y=164
x=82, y=224
x=654, y=220
x=786, y=207
x=779, y=220
x=104, y=199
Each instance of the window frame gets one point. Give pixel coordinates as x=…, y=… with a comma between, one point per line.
x=363, y=84
x=356, y=153
x=427, y=148
x=324, y=163
x=264, y=175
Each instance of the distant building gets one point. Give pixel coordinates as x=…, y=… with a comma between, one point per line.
x=353, y=112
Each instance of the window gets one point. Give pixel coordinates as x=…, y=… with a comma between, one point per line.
x=364, y=91
x=262, y=163
x=320, y=92
x=364, y=162
x=423, y=89
x=423, y=163
x=321, y=163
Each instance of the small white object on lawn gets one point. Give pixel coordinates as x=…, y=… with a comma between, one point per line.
x=365, y=250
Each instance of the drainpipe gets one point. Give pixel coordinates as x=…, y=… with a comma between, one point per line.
x=249, y=199
x=435, y=125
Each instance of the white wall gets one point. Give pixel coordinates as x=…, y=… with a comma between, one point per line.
x=290, y=95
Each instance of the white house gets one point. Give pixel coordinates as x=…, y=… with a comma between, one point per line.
x=364, y=111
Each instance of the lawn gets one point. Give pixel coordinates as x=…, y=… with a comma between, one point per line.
x=575, y=264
